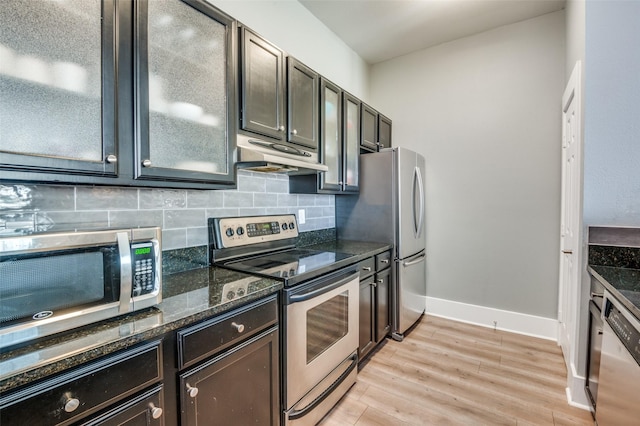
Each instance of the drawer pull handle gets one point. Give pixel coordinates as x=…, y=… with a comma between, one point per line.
x=366, y=268
x=71, y=405
x=238, y=327
x=374, y=285
x=384, y=260
x=193, y=392
x=156, y=412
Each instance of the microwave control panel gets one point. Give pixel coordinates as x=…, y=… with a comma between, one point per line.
x=143, y=265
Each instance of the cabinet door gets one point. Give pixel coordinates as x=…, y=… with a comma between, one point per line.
x=239, y=387
x=384, y=132
x=351, y=143
x=143, y=410
x=57, y=85
x=382, y=306
x=185, y=92
x=331, y=153
x=262, y=86
x=302, y=104
x=369, y=136
x=367, y=299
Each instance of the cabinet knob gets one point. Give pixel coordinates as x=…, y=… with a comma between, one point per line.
x=374, y=285
x=380, y=281
x=340, y=183
x=192, y=391
x=146, y=163
x=384, y=260
x=71, y=405
x=294, y=131
x=112, y=159
x=238, y=327
x=156, y=412
x=281, y=128
x=366, y=268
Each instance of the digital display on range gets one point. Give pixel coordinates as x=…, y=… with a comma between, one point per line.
x=264, y=228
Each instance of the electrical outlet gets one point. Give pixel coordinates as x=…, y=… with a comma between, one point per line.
x=301, y=218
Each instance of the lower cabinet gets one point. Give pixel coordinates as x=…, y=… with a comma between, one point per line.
x=375, y=286
x=119, y=389
x=229, y=368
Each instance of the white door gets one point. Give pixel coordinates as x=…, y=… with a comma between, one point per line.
x=571, y=220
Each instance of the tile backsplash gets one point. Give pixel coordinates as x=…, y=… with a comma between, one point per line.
x=182, y=214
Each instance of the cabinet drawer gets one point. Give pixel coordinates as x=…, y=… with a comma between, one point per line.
x=367, y=267
x=212, y=336
x=84, y=390
x=383, y=260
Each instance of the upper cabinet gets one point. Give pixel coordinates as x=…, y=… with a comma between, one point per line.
x=57, y=85
x=185, y=103
x=302, y=104
x=384, y=132
x=376, y=130
x=261, y=86
x=369, y=128
x=118, y=92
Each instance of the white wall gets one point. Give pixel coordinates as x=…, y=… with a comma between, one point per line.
x=612, y=114
x=291, y=27
x=486, y=113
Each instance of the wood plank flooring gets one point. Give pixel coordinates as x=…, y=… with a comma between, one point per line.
x=450, y=373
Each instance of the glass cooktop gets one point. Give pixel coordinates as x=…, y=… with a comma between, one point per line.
x=291, y=265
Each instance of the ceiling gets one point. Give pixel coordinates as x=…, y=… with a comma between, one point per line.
x=379, y=30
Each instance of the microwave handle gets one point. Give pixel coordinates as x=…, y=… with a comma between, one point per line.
x=124, y=250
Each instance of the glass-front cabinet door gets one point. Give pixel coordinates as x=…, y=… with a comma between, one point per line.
x=351, y=142
x=57, y=88
x=331, y=135
x=185, y=98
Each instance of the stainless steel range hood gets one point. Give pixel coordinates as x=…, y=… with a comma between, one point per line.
x=261, y=156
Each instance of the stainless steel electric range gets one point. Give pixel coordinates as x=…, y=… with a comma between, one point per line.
x=320, y=316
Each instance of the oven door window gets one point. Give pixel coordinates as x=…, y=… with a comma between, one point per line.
x=327, y=323
x=41, y=286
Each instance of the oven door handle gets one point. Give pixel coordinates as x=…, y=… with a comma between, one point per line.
x=316, y=291
x=296, y=414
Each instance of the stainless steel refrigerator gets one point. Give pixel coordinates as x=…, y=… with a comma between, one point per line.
x=390, y=208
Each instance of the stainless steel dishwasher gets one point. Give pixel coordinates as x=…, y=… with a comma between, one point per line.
x=619, y=387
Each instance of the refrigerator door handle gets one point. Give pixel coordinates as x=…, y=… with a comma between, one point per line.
x=417, y=184
x=422, y=258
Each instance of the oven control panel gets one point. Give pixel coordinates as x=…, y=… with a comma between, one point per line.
x=241, y=231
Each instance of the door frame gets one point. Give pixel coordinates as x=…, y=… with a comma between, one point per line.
x=570, y=303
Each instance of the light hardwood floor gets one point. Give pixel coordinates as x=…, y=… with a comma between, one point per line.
x=447, y=372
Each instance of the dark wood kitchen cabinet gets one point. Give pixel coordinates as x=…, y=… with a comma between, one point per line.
x=376, y=130
x=58, y=90
x=375, y=320
x=117, y=92
x=185, y=100
x=121, y=388
x=339, y=144
x=230, y=368
x=302, y=104
x=262, y=86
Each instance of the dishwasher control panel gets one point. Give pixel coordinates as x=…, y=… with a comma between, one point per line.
x=624, y=329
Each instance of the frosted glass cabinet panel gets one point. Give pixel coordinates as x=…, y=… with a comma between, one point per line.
x=351, y=141
x=185, y=86
x=331, y=135
x=57, y=86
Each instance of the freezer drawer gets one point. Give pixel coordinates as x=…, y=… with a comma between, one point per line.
x=410, y=293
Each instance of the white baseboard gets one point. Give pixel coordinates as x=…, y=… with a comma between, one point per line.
x=576, y=394
x=530, y=325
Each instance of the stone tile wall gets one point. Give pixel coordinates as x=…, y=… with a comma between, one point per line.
x=182, y=214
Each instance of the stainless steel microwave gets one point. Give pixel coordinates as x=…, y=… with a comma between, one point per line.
x=57, y=281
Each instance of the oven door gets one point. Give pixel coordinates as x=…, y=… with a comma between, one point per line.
x=321, y=322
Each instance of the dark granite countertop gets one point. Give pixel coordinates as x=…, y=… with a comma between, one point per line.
x=188, y=297
x=359, y=249
x=622, y=283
